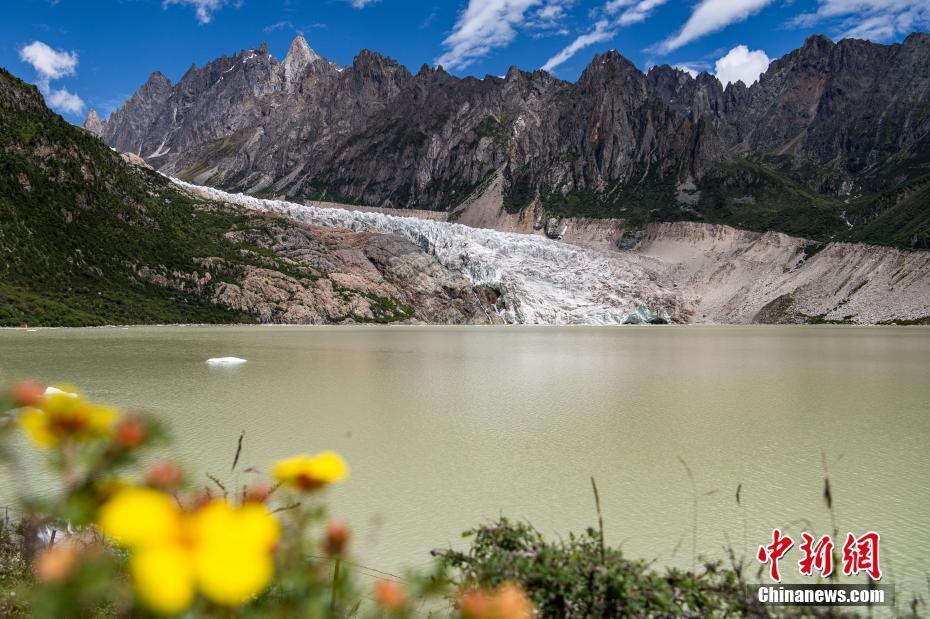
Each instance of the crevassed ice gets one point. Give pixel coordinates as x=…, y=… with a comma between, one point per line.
x=541, y=281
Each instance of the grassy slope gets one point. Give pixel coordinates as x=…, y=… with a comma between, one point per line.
x=743, y=194
x=759, y=196
x=76, y=222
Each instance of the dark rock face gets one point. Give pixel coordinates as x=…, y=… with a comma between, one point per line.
x=827, y=116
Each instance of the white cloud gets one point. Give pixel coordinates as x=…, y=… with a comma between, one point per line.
x=65, y=101
x=279, y=25
x=876, y=20
x=639, y=11
x=550, y=17
x=51, y=64
x=361, y=4
x=204, y=9
x=602, y=32
x=742, y=65
x=615, y=14
x=486, y=25
x=710, y=16
x=687, y=69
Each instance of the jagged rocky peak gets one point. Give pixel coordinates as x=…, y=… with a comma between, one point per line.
x=817, y=43
x=513, y=73
x=378, y=75
x=368, y=59
x=93, y=123
x=918, y=38
x=299, y=56
x=158, y=80
x=609, y=66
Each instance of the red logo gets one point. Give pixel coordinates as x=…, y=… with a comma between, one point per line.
x=773, y=553
x=860, y=554
x=817, y=555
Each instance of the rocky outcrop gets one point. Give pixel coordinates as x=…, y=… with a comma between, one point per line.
x=355, y=277
x=93, y=123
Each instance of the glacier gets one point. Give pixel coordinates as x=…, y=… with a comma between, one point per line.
x=541, y=281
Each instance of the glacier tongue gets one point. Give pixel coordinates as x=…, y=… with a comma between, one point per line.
x=541, y=281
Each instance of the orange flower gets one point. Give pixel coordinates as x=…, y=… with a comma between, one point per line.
x=474, y=603
x=27, y=393
x=337, y=537
x=55, y=564
x=390, y=594
x=511, y=602
x=163, y=474
x=130, y=433
x=508, y=601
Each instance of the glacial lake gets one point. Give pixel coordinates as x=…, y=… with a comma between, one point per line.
x=448, y=427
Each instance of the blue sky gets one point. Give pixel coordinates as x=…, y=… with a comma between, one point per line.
x=96, y=54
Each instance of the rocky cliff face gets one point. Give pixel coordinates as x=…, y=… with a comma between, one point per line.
x=829, y=137
x=736, y=276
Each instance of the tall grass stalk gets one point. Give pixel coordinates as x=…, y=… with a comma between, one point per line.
x=600, y=520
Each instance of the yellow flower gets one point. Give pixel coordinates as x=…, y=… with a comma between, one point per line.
x=225, y=552
x=137, y=517
x=164, y=578
x=59, y=415
x=311, y=472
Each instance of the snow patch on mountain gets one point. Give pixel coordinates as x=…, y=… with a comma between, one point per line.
x=540, y=281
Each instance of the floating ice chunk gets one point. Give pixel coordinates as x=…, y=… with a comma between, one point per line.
x=57, y=391
x=225, y=361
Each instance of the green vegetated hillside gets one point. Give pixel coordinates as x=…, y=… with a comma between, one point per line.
x=88, y=239
x=760, y=195
x=77, y=223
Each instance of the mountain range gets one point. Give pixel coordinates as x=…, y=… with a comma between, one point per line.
x=832, y=143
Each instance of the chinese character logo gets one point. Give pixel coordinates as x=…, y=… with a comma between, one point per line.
x=817, y=555
x=773, y=553
x=860, y=555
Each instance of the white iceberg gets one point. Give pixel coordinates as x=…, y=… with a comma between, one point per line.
x=225, y=361
x=57, y=391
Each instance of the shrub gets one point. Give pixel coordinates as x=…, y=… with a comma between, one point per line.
x=571, y=578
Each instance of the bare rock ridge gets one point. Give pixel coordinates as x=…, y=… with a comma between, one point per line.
x=298, y=58
x=93, y=123
x=831, y=143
